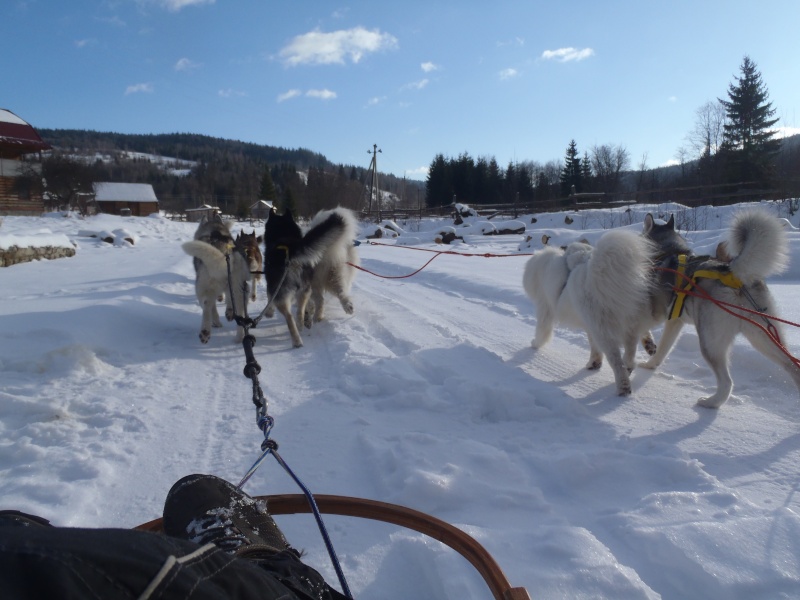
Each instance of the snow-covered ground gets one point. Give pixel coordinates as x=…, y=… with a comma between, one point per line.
x=429, y=396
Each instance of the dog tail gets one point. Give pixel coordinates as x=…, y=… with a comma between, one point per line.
x=325, y=230
x=758, y=243
x=619, y=276
x=213, y=259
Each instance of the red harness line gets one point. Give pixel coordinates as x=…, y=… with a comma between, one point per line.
x=769, y=331
x=694, y=290
x=437, y=254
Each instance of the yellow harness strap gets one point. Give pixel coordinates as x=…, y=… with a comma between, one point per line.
x=684, y=284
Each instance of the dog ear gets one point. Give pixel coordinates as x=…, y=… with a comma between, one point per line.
x=722, y=252
x=648, y=223
x=671, y=222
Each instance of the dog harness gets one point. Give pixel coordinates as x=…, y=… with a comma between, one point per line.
x=684, y=281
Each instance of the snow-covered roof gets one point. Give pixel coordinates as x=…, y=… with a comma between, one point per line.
x=124, y=192
x=18, y=134
x=261, y=204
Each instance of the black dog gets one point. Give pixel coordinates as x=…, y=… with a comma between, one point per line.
x=293, y=261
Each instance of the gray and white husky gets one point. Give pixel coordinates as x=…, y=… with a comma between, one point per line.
x=757, y=248
x=300, y=266
x=212, y=243
x=603, y=290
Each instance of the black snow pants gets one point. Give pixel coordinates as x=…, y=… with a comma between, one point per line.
x=42, y=562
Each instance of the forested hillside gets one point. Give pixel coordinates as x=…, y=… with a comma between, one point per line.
x=188, y=170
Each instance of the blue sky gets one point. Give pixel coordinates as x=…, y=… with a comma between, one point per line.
x=511, y=80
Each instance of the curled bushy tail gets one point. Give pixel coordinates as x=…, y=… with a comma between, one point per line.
x=326, y=230
x=758, y=243
x=213, y=259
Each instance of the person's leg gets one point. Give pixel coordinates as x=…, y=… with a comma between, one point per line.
x=69, y=563
x=204, y=508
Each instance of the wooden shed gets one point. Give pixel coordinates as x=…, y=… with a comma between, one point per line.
x=18, y=138
x=261, y=210
x=194, y=215
x=134, y=199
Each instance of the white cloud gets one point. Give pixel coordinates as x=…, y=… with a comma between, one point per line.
x=231, y=93
x=418, y=173
x=318, y=48
x=176, y=5
x=184, y=64
x=115, y=21
x=508, y=73
x=84, y=43
x=517, y=42
x=146, y=88
x=672, y=99
x=416, y=85
x=428, y=67
x=784, y=132
x=321, y=94
x=376, y=100
x=289, y=95
x=567, y=54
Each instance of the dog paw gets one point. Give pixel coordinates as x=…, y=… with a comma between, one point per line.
x=593, y=365
x=205, y=335
x=348, y=307
x=711, y=402
x=624, y=389
x=649, y=346
x=298, y=344
x=229, y=314
x=649, y=365
x=308, y=320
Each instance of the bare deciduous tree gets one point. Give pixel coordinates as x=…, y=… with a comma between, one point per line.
x=608, y=162
x=705, y=138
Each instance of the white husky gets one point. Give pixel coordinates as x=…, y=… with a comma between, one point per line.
x=758, y=248
x=211, y=282
x=604, y=290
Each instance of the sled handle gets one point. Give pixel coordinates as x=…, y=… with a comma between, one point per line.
x=461, y=542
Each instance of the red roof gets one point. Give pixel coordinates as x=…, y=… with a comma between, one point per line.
x=18, y=136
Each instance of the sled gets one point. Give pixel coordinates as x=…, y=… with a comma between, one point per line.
x=461, y=542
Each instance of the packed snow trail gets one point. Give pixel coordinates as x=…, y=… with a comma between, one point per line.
x=429, y=396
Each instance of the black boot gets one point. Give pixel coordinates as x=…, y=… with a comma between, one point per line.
x=206, y=509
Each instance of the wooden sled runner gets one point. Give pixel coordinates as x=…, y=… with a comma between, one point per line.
x=464, y=544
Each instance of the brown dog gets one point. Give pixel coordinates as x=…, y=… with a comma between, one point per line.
x=248, y=244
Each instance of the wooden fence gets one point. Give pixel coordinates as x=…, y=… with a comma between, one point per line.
x=714, y=195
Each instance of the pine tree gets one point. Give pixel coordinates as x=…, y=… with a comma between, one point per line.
x=571, y=173
x=267, y=191
x=748, y=143
x=438, y=186
x=586, y=172
x=288, y=202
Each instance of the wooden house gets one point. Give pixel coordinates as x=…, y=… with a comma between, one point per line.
x=261, y=210
x=18, y=138
x=195, y=215
x=127, y=199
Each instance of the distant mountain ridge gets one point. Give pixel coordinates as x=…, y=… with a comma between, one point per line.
x=186, y=146
x=188, y=169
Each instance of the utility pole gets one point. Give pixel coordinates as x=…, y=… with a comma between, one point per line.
x=373, y=165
